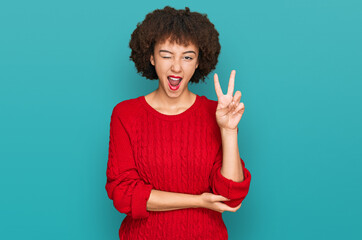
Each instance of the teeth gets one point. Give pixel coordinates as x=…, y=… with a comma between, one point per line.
x=175, y=79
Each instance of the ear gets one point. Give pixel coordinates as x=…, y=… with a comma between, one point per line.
x=152, y=60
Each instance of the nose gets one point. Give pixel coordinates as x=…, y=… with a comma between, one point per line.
x=176, y=66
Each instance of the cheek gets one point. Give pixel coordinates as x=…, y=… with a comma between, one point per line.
x=162, y=65
x=190, y=68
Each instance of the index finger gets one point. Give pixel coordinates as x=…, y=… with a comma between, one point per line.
x=217, y=86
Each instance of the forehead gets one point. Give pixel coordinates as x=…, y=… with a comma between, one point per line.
x=175, y=47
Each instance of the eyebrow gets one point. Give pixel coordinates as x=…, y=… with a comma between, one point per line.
x=183, y=52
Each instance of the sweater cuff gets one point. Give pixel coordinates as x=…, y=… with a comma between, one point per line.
x=231, y=189
x=139, y=200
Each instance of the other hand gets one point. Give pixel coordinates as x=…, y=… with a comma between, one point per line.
x=214, y=202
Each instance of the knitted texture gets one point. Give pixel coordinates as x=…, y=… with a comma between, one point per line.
x=176, y=153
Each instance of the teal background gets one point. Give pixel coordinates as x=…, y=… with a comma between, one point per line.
x=65, y=64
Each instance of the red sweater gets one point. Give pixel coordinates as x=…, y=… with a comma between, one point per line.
x=176, y=153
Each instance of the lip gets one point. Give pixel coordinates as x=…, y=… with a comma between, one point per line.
x=172, y=87
x=169, y=84
x=173, y=76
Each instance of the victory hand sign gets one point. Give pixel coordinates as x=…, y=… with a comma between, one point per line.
x=229, y=108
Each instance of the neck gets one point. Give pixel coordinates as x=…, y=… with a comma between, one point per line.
x=162, y=100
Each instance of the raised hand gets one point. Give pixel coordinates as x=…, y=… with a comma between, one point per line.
x=229, y=108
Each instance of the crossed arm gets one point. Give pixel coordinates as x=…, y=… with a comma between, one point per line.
x=132, y=196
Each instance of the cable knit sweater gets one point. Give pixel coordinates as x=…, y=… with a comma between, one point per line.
x=176, y=153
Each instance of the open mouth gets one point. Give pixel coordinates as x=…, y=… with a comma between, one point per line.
x=174, y=81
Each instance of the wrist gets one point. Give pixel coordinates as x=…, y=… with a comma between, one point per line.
x=229, y=131
x=197, y=203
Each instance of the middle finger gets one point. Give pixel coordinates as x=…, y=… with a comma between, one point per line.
x=231, y=83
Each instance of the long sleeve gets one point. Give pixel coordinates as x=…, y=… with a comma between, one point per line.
x=172, y=153
x=124, y=186
x=235, y=191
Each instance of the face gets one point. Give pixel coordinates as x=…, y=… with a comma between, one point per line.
x=174, y=64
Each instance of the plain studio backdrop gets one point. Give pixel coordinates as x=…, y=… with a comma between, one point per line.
x=65, y=64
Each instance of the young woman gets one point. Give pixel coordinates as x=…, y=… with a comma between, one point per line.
x=174, y=163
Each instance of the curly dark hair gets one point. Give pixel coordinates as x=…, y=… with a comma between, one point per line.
x=181, y=26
